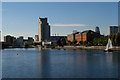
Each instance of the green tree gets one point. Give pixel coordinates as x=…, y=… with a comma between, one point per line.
x=74, y=42
x=117, y=39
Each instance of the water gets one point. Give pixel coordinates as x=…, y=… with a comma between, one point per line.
x=54, y=63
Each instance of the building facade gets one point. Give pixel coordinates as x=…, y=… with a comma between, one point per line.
x=71, y=37
x=43, y=30
x=55, y=38
x=9, y=40
x=97, y=30
x=19, y=41
x=36, y=38
x=114, y=30
x=78, y=37
x=88, y=36
x=30, y=40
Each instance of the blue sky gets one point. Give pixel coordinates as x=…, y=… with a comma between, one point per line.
x=22, y=18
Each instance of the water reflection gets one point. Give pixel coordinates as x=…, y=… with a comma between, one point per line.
x=77, y=63
x=53, y=63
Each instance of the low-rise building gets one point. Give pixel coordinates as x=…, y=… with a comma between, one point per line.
x=9, y=40
x=87, y=35
x=36, y=38
x=19, y=41
x=30, y=40
x=55, y=38
x=78, y=36
x=71, y=37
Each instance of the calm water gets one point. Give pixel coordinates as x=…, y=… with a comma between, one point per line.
x=54, y=63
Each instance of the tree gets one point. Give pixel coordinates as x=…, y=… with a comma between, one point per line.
x=74, y=42
x=59, y=42
x=117, y=39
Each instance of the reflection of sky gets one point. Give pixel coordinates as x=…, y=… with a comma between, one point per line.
x=77, y=63
x=53, y=63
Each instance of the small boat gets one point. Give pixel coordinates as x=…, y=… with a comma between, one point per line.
x=108, y=46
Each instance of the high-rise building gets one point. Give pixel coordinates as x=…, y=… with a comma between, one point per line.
x=114, y=30
x=97, y=30
x=43, y=29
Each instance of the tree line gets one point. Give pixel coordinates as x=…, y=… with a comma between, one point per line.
x=101, y=41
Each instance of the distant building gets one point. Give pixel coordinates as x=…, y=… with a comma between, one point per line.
x=44, y=30
x=119, y=28
x=78, y=37
x=87, y=35
x=19, y=41
x=30, y=40
x=114, y=30
x=71, y=37
x=55, y=38
x=97, y=30
x=36, y=38
x=9, y=40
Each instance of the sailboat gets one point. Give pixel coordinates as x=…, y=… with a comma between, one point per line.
x=108, y=46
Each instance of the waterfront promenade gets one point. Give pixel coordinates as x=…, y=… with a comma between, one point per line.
x=116, y=48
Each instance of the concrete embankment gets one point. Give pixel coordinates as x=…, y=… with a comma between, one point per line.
x=88, y=47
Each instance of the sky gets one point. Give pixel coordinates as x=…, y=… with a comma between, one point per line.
x=21, y=18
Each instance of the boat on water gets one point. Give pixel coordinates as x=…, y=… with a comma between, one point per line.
x=108, y=46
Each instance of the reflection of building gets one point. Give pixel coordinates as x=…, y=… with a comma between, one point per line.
x=9, y=40
x=36, y=38
x=44, y=30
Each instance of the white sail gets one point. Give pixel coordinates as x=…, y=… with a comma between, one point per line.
x=109, y=45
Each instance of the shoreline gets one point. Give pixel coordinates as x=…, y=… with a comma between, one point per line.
x=115, y=48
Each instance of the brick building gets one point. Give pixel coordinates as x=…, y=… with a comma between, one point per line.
x=78, y=37
x=71, y=37
x=88, y=36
